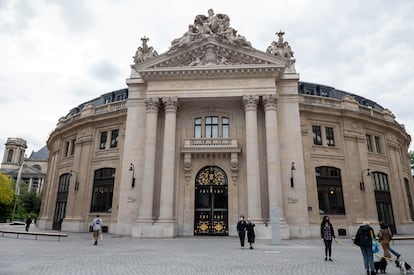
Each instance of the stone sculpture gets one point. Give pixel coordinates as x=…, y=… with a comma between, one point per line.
x=143, y=53
x=280, y=48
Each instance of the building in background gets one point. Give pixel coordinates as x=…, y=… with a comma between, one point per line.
x=214, y=128
x=34, y=167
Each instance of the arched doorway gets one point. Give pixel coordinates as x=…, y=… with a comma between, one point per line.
x=211, y=202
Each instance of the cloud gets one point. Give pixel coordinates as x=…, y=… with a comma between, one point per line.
x=105, y=70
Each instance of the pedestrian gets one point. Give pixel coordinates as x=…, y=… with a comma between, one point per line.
x=384, y=238
x=327, y=234
x=96, y=227
x=363, y=239
x=390, y=249
x=250, y=232
x=28, y=223
x=241, y=230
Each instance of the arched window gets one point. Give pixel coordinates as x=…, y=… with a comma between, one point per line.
x=103, y=187
x=37, y=166
x=330, y=196
x=10, y=155
x=409, y=198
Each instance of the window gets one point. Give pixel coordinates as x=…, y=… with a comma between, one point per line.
x=377, y=144
x=72, y=147
x=197, y=127
x=21, y=157
x=10, y=155
x=103, y=185
x=211, y=127
x=330, y=195
x=317, y=136
x=369, y=143
x=119, y=97
x=114, y=138
x=225, y=127
x=102, y=143
x=66, y=148
x=380, y=182
x=330, y=141
x=409, y=198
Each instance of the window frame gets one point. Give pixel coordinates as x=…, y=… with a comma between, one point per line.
x=317, y=133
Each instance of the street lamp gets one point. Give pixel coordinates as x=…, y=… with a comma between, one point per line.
x=292, y=168
x=76, y=179
x=362, y=183
x=132, y=168
x=17, y=189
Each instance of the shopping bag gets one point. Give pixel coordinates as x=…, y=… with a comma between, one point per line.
x=375, y=248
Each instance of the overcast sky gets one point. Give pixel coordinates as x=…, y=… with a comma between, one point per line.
x=57, y=54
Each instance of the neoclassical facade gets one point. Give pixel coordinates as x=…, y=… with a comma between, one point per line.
x=214, y=128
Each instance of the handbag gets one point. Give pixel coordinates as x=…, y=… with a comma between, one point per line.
x=375, y=248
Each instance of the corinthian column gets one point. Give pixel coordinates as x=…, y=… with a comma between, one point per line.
x=273, y=159
x=168, y=156
x=145, y=213
x=252, y=158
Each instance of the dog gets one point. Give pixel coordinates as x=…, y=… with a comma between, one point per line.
x=381, y=265
x=403, y=266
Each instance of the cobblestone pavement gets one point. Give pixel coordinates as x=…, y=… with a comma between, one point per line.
x=183, y=255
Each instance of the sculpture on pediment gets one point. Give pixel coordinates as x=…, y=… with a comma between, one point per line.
x=143, y=53
x=213, y=25
x=280, y=48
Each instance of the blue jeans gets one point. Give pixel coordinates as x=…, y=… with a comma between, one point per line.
x=368, y=257
x=396, y=254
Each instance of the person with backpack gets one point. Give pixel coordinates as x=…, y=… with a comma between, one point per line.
x=96, y=227
x=363, y=239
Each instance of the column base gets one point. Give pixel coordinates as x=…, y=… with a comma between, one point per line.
x=159, y=229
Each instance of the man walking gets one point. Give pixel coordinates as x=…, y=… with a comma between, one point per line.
x=96, y=227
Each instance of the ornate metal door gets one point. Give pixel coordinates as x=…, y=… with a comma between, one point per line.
x=211, y=207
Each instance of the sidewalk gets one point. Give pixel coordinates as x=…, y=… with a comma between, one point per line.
x=183, y=255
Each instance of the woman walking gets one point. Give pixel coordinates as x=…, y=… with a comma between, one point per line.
x=327, y=234
x=363, y=239
x=250, y=232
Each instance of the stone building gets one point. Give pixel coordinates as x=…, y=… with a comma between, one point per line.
x=214, y=128
x=33, y=168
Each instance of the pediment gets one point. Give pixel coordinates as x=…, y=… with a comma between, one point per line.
x=212, y=57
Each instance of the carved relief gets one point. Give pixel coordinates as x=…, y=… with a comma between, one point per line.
x=213, y=25
x=280, y=48
x=269, y=102
x=250, y=102
x=170, y=104
x=152, y=105
x=143, y=53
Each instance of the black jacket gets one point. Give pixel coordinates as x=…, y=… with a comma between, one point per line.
x=363, y=236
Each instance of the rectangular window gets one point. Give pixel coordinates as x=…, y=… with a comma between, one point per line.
x=377, y=144
x=409, y=198
x=67, y=144
x=114, y=138
x=330, y=140
x=211, y=127
x=72, y=147
x=369, y=143
x=197, y=127
x=225, y=127
x=102, y=143
x=317, y=136
x=119, y=97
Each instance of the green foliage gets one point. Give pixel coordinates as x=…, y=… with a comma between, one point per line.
x=6, y=190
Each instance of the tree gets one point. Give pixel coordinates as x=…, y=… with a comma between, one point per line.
x=411, y=160
x=6, y=196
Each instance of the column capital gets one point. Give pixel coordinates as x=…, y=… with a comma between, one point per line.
x=152, y=105
x=269, y=102
x=170, y=104
x=250, y=102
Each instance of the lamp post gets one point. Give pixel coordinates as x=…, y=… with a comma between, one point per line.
x=132, y=168
x=292, y=168
x=17, y=189
x=362, y=183
x=76, y=179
